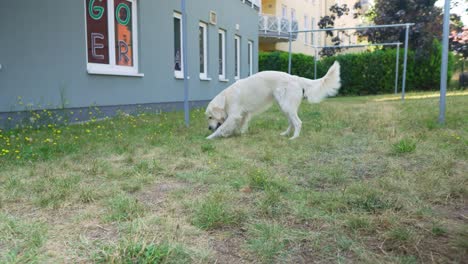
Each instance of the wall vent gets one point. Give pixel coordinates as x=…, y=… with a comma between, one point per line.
x=213, y=18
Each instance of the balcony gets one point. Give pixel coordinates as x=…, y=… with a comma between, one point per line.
x=276, y=29
x=255, y=4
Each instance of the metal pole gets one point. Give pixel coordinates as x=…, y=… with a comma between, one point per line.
x=357, y=28
x=184, y=63
x=405, y=62
x=315, y=65
x=290, y=55
x=357, y=45
x=443, y=71
x=397, y=67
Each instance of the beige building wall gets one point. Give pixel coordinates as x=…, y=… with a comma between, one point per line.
x=308, y=13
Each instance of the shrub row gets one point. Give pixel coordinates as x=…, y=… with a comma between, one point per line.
x=366, y=72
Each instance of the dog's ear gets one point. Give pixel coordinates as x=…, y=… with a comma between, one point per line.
x=219, y=102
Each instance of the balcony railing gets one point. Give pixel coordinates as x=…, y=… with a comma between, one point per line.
x=255, y=4
x=276, y=27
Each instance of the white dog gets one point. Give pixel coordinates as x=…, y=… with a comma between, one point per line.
x=231, y=110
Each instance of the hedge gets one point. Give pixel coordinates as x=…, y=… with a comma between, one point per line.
x=366, y=72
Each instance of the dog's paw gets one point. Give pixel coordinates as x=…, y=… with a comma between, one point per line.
x=285, y=133
x=212, y=136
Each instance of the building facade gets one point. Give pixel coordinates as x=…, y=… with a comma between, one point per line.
x=279, y=16
x=121, y=53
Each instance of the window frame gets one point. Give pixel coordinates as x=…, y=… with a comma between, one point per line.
x=306, y=27
x=284, y=11
x=112, y=68
x=222, y=33
x=250, y=56
x=237, y=40
x=293, y=14
x=312, y=34
x=204, y=74
x=179, y=74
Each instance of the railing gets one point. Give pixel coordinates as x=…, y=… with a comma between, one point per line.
x=276, y=27
x=255, y=4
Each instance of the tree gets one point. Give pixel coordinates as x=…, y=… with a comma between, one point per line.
x=329, y=22
x=458, y=41
x=426, y=16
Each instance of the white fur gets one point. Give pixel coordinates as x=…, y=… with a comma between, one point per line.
x=232, y=109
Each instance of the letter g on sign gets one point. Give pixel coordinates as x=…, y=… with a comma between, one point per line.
x=95, y=12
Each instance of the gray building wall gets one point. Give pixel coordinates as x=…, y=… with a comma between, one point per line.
x=44, y=58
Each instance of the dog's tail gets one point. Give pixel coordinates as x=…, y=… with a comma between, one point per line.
x=317, y=90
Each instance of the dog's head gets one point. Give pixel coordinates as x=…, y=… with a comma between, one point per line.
x=216, y=113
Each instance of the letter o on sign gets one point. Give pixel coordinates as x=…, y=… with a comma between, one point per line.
x=117, y=14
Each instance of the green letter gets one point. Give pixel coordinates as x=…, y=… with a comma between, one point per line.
x=99, y=9
x=117, y=14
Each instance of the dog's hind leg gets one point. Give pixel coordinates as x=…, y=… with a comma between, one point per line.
x=289, y=104
x=288, y=130
x=297, y=124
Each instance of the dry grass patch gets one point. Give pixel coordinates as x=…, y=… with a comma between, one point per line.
x=368, y=181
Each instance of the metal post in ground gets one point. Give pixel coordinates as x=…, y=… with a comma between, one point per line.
x=444, y=66
x=315, y=64
x=290, y=55
x=397, y=67
x=405, y=62
x=185, y=64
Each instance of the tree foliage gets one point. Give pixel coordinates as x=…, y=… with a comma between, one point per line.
x=426, y=16
x=459, y=42
x=328, y=21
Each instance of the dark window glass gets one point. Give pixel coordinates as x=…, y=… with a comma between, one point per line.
x=123, y=33
x=177, y=45
x=97, y=31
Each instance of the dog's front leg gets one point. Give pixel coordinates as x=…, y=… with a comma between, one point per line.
x=245, y=123
x=226, y=129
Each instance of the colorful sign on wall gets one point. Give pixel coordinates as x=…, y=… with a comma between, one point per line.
x=123, y=33
x=97, y=31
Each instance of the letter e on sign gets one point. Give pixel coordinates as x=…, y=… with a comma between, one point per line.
x=97, y=31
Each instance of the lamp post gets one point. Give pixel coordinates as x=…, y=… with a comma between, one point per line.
x=185, y=64
x=444, y=66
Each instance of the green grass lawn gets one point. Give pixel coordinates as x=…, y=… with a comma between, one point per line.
x=370, y=180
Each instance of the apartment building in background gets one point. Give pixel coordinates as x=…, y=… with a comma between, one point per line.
x=277, y=17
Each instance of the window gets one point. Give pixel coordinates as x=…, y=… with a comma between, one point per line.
x=293, y=14
x=250, y=57
x=284, y=11
x=178, y=51
x=306, y=27
x=111, y=36
x=222, y=54
x=202, y=36
x=312, y=34
x=236, y=57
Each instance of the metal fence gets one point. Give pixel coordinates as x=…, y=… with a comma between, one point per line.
x=405, y=60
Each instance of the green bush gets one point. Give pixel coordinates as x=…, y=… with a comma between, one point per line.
x=366, y=72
